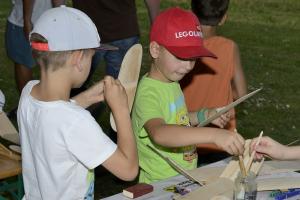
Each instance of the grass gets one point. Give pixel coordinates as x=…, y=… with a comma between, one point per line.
x=267, y=33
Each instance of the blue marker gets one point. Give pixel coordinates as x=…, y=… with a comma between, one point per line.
x=288, y=194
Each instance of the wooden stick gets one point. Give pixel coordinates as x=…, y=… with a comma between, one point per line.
x=294, y=142
x=242, y=166
x=177, y=167
x=253, y=153
x=241, y=163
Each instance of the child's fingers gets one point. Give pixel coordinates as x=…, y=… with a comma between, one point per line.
x=239, y=146
x=107, y=80
x=234, y=149
x=241, y=139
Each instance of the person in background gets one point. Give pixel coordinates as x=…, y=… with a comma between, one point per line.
x=61, y=142
x=159, y=115
x=271, y=148
x=20, y=22
x=117, y=23
x=214, y=82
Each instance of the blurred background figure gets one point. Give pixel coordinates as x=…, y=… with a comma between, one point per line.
x=23, y=15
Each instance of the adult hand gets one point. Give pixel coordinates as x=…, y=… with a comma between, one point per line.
x=268, y=147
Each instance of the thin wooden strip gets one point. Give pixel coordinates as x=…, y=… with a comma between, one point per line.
x=253, y=153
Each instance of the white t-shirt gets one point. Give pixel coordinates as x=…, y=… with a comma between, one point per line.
x=39, y=7
x=61, y=145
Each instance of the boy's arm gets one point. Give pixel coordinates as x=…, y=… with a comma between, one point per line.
x=171, y=135
x=239, y=84
x=193, y=118
x=292, y=153
x=90, y=96
x=124, y=161
x=153, y=7
x=203, y=114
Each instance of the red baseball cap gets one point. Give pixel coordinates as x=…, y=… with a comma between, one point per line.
x=176, y=30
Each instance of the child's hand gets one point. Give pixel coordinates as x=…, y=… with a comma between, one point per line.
x=90, y=96
x=220, y=121
x=114, y=94
x=232, y=143
x=268, y=147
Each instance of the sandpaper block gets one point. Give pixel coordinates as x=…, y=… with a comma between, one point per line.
x=137, y=190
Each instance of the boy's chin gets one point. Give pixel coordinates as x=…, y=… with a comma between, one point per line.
x=77, y=86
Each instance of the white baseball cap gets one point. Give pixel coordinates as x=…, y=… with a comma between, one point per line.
x=65, y=29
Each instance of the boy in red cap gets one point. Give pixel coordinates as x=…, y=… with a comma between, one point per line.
x=159, y=117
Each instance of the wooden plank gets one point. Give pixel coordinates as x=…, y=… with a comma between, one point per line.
x=223, y=187
x=7, y=129
x=8, y=153
x=278, y=183
x=129, y=75
x=9, y=168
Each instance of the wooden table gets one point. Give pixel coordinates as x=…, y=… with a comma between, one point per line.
x=159, y=193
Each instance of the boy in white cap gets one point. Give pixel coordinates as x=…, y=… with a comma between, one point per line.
x=61, y=142
x=159, y=117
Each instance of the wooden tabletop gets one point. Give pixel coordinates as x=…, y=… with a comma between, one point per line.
x=9, y=168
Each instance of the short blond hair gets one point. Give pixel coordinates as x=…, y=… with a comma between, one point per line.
x=55, y=59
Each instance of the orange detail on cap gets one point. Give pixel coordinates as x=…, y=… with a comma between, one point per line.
x=40, y=46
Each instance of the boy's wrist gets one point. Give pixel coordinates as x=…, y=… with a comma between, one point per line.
x=80, y=100
x=202, y=115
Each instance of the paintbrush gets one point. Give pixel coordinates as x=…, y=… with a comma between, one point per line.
x=253, y=153
x=241, y=163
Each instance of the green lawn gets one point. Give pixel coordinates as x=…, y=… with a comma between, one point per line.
x=267, y=32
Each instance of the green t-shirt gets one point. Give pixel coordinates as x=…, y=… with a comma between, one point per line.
x=156, y=99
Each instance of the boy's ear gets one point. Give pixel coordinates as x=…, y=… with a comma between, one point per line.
x=222, y=20
x=76, y=59
x=154, y=49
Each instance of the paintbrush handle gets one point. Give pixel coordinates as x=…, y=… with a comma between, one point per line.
x=242, y=166
x=253, y=153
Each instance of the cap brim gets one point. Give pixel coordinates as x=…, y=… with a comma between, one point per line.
x=190, y=52
x=107, y=47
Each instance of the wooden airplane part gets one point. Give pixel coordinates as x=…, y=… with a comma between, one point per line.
x=228, y=107
x=129, y=75
x=207, y=174
x=221, y=188
x=7, y=153
x=9, y=167
x=212, y=174
x=177, y=167
x=278, y=183
x=232, y=169
x=7, y=129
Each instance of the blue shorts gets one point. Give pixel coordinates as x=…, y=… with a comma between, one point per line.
x=17, y=46
x=113, y=59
